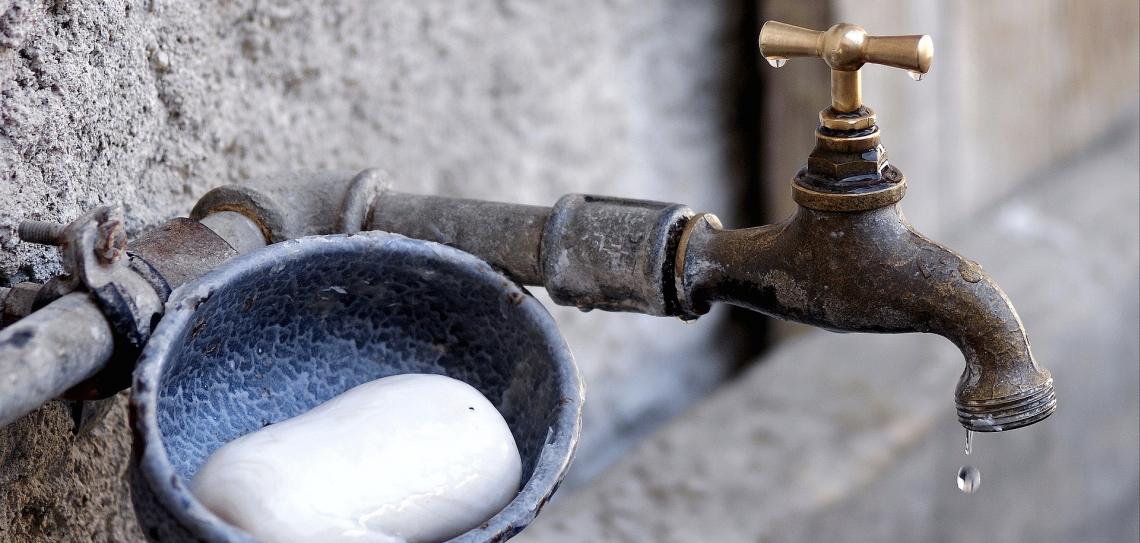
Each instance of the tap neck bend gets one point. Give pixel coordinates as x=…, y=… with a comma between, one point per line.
x=870, y=271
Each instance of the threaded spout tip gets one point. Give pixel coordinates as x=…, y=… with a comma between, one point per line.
x=1007, y=413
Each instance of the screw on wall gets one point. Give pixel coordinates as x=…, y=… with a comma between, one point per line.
x=41, y=232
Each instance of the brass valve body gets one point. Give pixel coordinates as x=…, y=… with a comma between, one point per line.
x=848, y=169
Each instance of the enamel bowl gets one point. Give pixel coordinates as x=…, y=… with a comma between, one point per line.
x=276, y=332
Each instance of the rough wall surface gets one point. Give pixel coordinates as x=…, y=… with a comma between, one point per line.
x=55, y=486
x=149, y=103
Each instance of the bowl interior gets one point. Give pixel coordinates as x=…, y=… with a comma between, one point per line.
x=280, y=333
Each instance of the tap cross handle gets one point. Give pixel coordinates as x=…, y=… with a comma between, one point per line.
x=846, y=48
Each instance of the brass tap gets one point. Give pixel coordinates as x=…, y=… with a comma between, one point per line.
x=848, y=260
x=848, y=169
x=846, y=48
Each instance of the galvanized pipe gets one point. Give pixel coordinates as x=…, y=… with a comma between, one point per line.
x=51, y=350
x=509, y=236
x=591, y=252
x=239, y=231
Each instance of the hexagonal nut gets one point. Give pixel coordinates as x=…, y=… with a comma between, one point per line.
x=861, y=119
x=843, y=165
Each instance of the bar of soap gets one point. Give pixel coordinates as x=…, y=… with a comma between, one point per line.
x=411, y=457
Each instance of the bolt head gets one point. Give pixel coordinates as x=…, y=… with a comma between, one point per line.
x=112, y=241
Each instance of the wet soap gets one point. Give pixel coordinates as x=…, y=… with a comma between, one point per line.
x=405, y=458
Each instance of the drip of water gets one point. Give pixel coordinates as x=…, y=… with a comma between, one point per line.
x=776, y=62
x=969, y=479
x=915, y=75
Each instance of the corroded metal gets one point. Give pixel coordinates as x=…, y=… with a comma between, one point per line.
x=856, y=193
x=83, y=345
x=294, y=205
x=847, y=260
x=181, y=250
x=91, y=249
x=869, y=271
x=590, y=252
x=614, y=254
x=508, y=236
x=41, y=232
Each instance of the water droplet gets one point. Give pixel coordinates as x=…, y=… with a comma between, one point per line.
x=969, y=479
x=776, y=62
x=969, y=440
x=916, y=75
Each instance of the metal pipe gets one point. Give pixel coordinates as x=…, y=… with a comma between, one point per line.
x=508, y=236
x=241, y=232
x=591, y=252
x=294, y=205
x=51, y=350
x=17, y=301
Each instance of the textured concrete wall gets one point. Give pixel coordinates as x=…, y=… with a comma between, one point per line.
x=150, y=103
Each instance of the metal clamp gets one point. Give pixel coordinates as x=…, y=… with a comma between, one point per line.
x=127, y=290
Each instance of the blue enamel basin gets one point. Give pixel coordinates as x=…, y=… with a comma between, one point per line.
x=276, y=332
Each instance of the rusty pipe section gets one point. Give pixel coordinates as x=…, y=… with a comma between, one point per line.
x=294, y=205
x=509, y=236
x=870, y=271
x=591, y=252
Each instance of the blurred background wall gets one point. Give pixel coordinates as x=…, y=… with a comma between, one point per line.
x=150, y=103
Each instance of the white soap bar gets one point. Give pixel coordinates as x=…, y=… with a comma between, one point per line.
x=405, y=458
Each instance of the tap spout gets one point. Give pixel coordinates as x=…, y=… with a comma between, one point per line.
x=870, y=271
